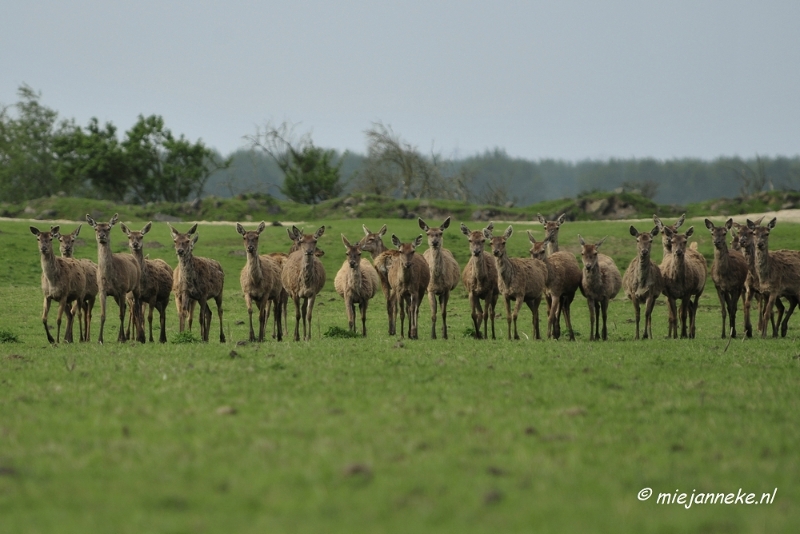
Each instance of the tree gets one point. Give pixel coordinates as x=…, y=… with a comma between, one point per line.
x=310, y=173
x=27, y=160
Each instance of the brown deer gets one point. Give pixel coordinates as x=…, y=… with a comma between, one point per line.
x=563, y=280
x=519, y=279
x=684, y=271
x=156, y=281
x=665, y=241
x=303, y=276
x=729, y=273
x=480, y=281
x=261, y=283
x=196, y=279
x=445, y=272
x=551, y=231
x=382, y=258
x=117, y=275
x=356, y=282
x=86, y=304
x=751, y=286
x=409, y=276
x=642, y=280
x=778, y=272
x=601, y=282
x=63, y=280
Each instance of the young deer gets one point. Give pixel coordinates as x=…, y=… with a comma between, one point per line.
x=665, y=240
x=196, y=279
x=382, y=258
x=445, y=272
x=85, y=305
x=729, y=272
x=303, y=276
x=356, y=282
x=117, y=275
x=63, y=280
x=156, y=281
x=563, y=280
x=642, y=280
x=480, y=280
x=261, y=283
x=778, y=272
x=601, y=283
x=519, y=279
x=409, y=277
x=685, y=273
x=551, y=231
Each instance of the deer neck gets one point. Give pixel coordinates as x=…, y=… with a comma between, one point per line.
x=505, y=269
x=254, y=266
x=307, y=268
x=722, y=257
x=680, y=268
x=104, y=258
x=478, y=266
x=379, y=249
x=749, y=253
x=552, y=245
x=644, y=269
x=763, y=264
x=437, y=265
x=49, y=267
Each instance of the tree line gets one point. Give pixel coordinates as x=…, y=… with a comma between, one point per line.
x=41, y=155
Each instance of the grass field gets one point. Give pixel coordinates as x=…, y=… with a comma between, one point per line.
x=376, y=435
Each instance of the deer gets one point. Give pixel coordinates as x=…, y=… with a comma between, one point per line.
x=409, y=277
x=117, y=275
x=85, y=305
x=665, y=241
x=196, y=279
x=563, y=280
x=356, y=282
x=261, y=283
x=642, y=281
x=778, y=272
x=156, y=281
x=600, y=283
x=382, y=258
x=751, y=286
x=303, y=276
x=551, y=231
x=480, y=280
x=685, y=271
x=63, y=281
x=729, y=273
x=445, y=272
x=518, y=279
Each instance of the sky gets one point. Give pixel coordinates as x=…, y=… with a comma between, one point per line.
x=569, y=80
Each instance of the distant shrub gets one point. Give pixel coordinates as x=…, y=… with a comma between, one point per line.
x=340, y=333
x=185, y=337
x=8, y=337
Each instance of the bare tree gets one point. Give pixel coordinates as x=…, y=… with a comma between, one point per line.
x=752, y=180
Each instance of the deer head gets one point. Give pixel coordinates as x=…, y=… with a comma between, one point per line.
x=45, y=239
x=184, y=243
x=538, y=249
x=407, y=249
x=719, y=234
x=66, y=241
x=476, y=239
x=353, y=253
x=372, y=242
x=644, y=241
x=551, y=227
x=434, y=234
x=589, y=253
x=135, y=239
x=498, y=243
x=251, y=237
x=102, y=231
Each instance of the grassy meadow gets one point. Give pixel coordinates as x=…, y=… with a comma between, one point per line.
x=377, y=435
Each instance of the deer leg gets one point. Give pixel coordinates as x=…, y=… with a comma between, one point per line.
x=566, y=306
x=590, y=303
x=432, y=300
x=248, y=301
x=597, y=316
x=515, y=314
x=785, y=322
x=508, y=315
x=635, y=301
x=402, y=305
x=309, y=314
x=477, y=313
x=770, y=301
x=363, y=307
x=554, y=317
x=733, y=302
x=534, y=306
x=492, y=311
x=781, y=317
x=443, y=300
x=45, y=311
x=723, y=306
x=746, y=296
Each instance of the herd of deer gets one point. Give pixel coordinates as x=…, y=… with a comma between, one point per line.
x=748, y=270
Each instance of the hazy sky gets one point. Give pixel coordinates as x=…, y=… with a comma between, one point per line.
x=558, y=79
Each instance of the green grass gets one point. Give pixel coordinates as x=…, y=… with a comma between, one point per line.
x=377, y=435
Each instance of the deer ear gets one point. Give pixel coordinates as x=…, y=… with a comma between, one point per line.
x=690, y=231
x=240, y=228
x=91, y=221
x=418, y=241
x=709, y=225
x=261, y=227
x=541, y=219
x=318, y=253
x=446, y=224
x=195, y=238
x=654, y=231
x=422, y=224
x=729, y=224
x=634, y=232
x=346, y=242
x=175, y=233
x=35, y=231
x=55, y=231
x=147, y=228
x=772, y=223
x=561, y=219
x=396, y=241
x=366, y=230
x=680, y=221
x=751, y=224
x=382, y=231
x=658, y=222
x=125, y=229
x=508, y=232
x=531, y=238
x=464, y=229
x=580, y=238
x=319, y=232
x=487, y=233
x=77, y=231
x=599, y=243
x=114, y=219
x=192, y=230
